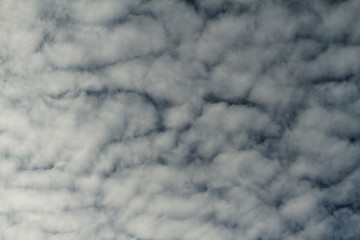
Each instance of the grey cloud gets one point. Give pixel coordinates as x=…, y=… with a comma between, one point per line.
x=214, y=119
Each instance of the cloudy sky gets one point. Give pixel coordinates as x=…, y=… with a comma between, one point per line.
x=179, y=120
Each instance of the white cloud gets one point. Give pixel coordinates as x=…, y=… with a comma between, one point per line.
x=179, y=120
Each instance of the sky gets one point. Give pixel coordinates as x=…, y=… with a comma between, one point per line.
x=179, y=120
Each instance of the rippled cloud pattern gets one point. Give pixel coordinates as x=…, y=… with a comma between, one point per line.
x=179, y=120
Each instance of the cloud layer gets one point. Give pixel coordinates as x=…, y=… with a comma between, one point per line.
x=213, y=119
